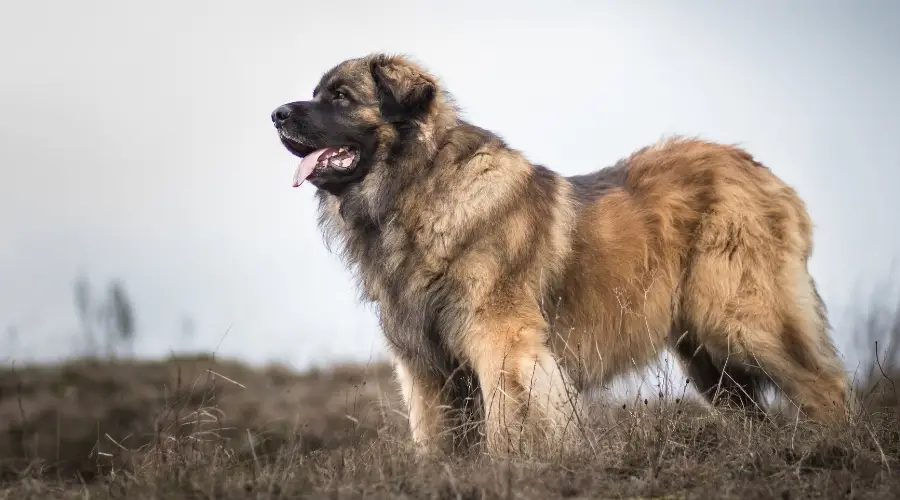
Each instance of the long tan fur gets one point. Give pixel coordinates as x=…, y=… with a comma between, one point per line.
x=492, y=273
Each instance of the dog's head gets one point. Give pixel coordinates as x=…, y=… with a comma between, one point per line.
x=358, y=112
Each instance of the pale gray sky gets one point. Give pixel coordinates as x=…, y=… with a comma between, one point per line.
x=135, y=141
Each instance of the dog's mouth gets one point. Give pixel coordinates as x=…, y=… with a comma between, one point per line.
x=317, y=162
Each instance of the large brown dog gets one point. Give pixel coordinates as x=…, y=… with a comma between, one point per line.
x=483, y=263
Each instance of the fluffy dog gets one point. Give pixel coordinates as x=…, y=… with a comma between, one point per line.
x=499, y=278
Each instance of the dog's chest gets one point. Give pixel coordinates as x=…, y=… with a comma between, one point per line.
x=406, y=282
x=400, y=263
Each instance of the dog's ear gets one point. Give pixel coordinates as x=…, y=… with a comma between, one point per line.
x=404, y=91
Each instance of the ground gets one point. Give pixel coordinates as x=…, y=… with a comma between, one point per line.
x=199, y=427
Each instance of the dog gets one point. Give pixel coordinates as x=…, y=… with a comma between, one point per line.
x=505, y=289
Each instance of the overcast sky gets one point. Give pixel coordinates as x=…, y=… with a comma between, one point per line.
x=135, y=142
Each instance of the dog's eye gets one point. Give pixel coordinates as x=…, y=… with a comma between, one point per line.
x=337, y=95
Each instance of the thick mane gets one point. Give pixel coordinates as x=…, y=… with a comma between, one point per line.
x=352, y=223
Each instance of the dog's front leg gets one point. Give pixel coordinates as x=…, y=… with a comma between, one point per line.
x=529, y=403
x=429, y=402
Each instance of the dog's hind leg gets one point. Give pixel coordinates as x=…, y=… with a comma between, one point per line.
x=758, y=310
x=722, y=383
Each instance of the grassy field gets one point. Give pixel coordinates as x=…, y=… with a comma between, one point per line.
x=204, y=428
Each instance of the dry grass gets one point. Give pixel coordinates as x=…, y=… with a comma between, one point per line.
x=201, y=428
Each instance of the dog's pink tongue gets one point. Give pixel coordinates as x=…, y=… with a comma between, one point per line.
x=306, y=166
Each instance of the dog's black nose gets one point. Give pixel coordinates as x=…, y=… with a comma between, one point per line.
x=280, y=115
